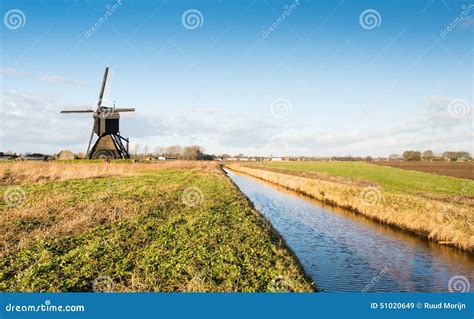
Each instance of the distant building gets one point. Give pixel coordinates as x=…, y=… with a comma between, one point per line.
x=394, y=157
x=35, y=157
x=276, y=159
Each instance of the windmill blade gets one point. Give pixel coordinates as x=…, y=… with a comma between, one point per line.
x=90, y=140
x=77, y=111
x=124, y=109
x=102, y=89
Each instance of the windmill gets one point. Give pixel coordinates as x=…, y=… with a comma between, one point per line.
x=109, y=144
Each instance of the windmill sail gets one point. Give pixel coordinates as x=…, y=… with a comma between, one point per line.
x=102, y=88
x=77, y=111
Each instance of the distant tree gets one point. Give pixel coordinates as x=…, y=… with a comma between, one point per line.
x=174, y=151
x=159, y=151
x=135, y=148
x=145, y=150
x=428, y=155
x=454, y=156
x=368, y=159
x=193, y=152
x=412, y=156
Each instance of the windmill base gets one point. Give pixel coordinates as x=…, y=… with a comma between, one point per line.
x=109, y=146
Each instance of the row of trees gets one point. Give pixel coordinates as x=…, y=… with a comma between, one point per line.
x=431, y=156
x=192, y=152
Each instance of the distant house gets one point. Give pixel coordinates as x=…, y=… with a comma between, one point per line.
x=167, y=158
x=276, y=159
x=35, y=157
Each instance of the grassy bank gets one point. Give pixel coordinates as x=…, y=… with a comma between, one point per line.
x=135, y=227
x=443, y=216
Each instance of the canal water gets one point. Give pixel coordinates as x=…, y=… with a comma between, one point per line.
x=343, y=251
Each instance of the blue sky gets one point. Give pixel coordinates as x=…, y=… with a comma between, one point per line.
x=248, y=78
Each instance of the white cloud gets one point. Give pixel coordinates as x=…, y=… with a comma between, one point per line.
x=13, y=72
x=52, y=79
x=41, y=78
x=33, y=123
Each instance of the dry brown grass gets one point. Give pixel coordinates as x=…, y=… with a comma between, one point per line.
x=51, y=215
x=35, y=172
x=444, y=222
x=52, y=218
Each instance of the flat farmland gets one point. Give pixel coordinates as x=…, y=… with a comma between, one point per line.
x=391, y=179
x=454, y=169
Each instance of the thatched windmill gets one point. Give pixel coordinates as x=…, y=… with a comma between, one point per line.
x=110, y=144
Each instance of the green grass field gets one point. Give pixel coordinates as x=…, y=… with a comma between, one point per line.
x=141, y=233
x=390, y=179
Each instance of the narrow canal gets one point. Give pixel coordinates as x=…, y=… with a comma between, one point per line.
x=343, y=251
